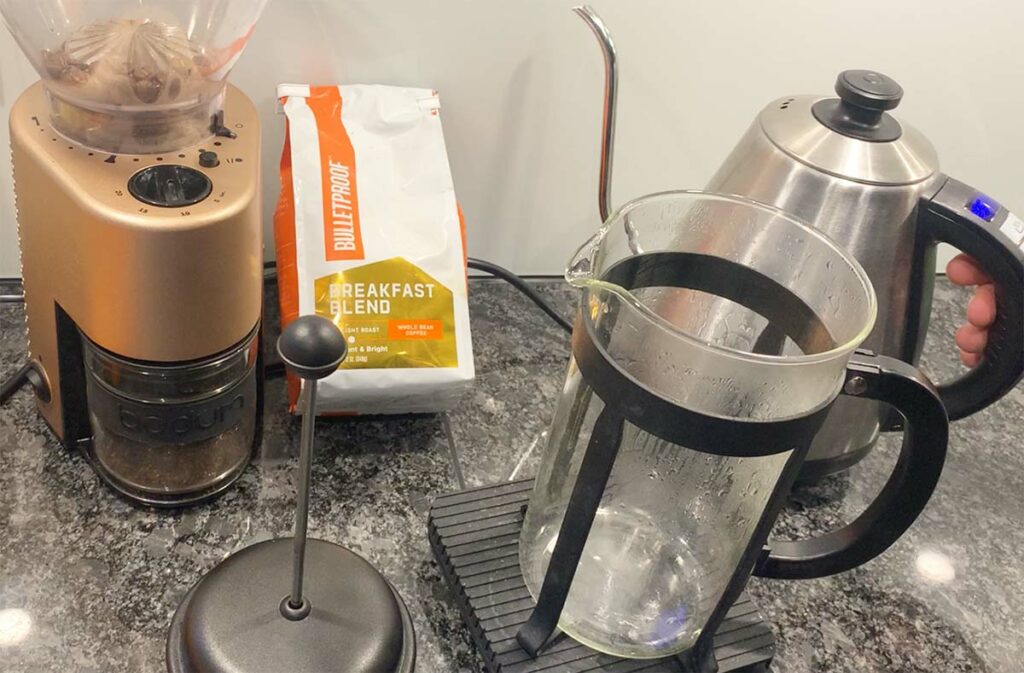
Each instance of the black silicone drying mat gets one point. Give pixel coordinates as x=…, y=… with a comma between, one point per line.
x=475, y=538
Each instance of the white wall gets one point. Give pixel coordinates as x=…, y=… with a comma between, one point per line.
x=521, y=85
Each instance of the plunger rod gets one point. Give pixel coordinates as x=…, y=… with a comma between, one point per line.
x=302, y=506
x=311, y=347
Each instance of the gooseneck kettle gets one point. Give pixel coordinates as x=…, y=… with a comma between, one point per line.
x=872, y=183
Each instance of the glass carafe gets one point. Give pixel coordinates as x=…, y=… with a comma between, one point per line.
x=714, y=334
x=133, y=76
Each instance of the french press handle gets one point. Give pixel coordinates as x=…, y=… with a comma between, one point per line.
x=904, y=496
x=961, y=216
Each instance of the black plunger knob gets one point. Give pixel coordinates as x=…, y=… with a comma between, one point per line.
x=312, y=347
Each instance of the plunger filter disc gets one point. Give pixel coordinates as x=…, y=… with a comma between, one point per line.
x=231, y=619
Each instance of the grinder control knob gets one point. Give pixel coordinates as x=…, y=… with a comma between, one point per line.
x=169, y=186
x=312, y=347
x=208, y=159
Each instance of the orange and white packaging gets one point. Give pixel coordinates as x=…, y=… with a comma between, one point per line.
x=369, y=234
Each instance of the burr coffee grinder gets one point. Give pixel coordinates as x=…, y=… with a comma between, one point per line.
x=136, y=172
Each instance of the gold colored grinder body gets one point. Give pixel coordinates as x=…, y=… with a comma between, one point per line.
x=150, y=308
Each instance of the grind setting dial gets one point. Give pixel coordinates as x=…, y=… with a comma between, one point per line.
x=170, y=186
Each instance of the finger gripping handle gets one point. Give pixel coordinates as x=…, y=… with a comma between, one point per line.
x=948, y=217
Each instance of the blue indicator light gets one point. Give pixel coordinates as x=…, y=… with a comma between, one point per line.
x=984, y=207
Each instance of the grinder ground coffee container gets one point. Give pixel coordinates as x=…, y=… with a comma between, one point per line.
x=136, y=174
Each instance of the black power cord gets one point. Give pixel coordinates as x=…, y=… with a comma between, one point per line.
x=28, y=373
x=18, y=298
x=520, y=284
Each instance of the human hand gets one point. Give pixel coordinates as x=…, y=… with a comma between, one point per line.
x=972, y=336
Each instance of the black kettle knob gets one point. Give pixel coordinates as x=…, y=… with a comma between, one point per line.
x=312, y=347
x=860, y=110
x=868, y=90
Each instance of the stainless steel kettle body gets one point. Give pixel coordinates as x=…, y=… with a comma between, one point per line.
x=849, y=168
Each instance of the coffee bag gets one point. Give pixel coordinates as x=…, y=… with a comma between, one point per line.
x=369, y=234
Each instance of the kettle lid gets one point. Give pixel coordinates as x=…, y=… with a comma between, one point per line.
x=852, y=136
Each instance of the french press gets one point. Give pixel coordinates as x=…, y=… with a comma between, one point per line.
x=714, y=336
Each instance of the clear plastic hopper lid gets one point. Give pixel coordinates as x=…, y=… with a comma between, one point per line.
x=133, y=76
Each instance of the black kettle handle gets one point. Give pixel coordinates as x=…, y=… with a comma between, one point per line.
x=925, y=435
x=993, y=237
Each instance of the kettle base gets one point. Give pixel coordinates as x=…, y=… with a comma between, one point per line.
x=813, y=471
x=481, y=527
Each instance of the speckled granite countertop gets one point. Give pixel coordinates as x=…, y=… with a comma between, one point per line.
x=89, y=582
